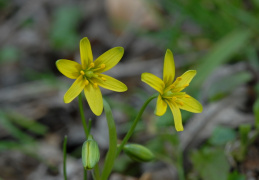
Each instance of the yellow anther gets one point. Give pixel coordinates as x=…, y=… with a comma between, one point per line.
x=172, y=86
x=186, y=85
x=103, y=78
x=95, y=85
x=102, y=66
x=82, y=72
x=91, y=65
x=86, y=82
x=179, y=79
x=187, y=96
x=174, y=98
x=181, y=103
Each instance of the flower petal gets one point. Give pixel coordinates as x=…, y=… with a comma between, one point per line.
x=70, y=69
x=94, y=98
x=169, y=68
x=153, y=81
x=111, y=83
x=86, y=52
x=161, y=106
x=190, y=104
x=110, y=58
x=183, y=81
x=75, y=89
x=177, y=115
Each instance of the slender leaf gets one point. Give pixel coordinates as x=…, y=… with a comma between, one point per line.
x=222, y=51
x=111, y=155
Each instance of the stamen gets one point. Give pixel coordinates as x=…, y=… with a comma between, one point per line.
x=187, y=96
x=186, y=85
x=102, y=66
x=179, y=79
x=174, y=98
x=103, y=78
x=172, y=86
x=91, y=65
x=86, y=82
x=82, y=72
x=95, y=85
x=181, y=103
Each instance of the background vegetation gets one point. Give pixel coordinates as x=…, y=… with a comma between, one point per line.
x=217, y=38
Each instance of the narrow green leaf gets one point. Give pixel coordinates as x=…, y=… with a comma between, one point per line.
x=256, y=108
x=111, y=155
x=228, y=84
x=221, y=53
x=244, y=130
x=27, y=123
x=13, y=130
x=65, y=157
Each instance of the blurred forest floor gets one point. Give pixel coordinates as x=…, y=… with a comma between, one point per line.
x=222, y=44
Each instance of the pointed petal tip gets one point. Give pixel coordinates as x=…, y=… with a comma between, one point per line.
x=158, y=114
x=169, y=51
x=194, y=71
x=58, y=61
x=84, y=39
x=98, y=113
x=121, y=49
x=66, y=101
x=179, y=129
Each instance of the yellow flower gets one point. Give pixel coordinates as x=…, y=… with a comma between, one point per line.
x=170, y=92
x=88, y=75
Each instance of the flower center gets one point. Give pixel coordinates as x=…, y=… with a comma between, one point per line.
x=90, y=73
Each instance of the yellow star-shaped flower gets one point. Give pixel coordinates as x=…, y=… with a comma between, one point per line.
x=170, y=92
x=88, y=75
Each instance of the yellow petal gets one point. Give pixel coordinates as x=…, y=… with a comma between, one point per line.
x=161, y=106
x=190, y=104
x=74, y=90
x=110, y=58
x=177, y=115
x=94, y=98
x=169, y=68
x=153, y=81
x=183, y=81
x=70, y=69
x=86, y=52
x=110, y=83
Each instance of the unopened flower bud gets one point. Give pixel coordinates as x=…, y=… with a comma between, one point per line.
x=138, y=152
x=90, y=153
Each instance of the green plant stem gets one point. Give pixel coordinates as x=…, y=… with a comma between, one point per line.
x=87, y=129
x=133, y=126
x=85, y=174
x=80, y=103
x=179, y=165
x=96, y=172
x=65, y=158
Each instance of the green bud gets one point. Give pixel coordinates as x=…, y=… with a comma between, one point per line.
x=90, y=153
x=138, y=152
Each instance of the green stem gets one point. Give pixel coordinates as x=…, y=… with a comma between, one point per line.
x=180, y=165
x=85, y=174
x=80, y=103
x=86, y=130
x=65, y=158
x=133, y=126
x=96, y=172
